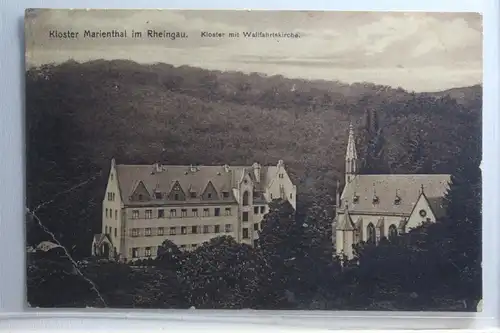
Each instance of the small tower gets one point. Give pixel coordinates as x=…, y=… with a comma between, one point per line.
x=351, y=157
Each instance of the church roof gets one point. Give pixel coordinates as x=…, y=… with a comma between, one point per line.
x=224, y=178
x=386, y=188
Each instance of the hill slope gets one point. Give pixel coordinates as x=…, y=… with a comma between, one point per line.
x=81, y=115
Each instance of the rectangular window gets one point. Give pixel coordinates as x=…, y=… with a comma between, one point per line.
x=256, y=210
x=291, y=196
x=135, y=252
x=176, y=196
x=194, y=246
x=205, y=229
x=194, y=229
x=135, y=214
x=195, y=212
x=149, y=214
x=225, y=195
x=161, y=231
x=184, y=212
x=113, y=197
x=192, y=195
x=262, y=209
x=209, y=195
x=107, y=212
x=173, y=213
x=147, y=252
x=111, y=213
x=116, y=214
x=245, y=216
x=245, y=233
x=228, y=228
x=173, y=231
x=161, y=213
x=116, y=232
x=184, y=230
x=206, y=212
x=217, y=212
x=135, y=232
x=228, y=211
x=281, y=175
x=147, y=232
x=255, y=243
x=217, y=229
x=256, y=226
x=109, y=196
x=106, y=230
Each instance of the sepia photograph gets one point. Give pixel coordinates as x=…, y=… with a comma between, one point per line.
x=264, y=160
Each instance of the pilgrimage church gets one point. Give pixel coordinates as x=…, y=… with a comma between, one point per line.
x=371, y=207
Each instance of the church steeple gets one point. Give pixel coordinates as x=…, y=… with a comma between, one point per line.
x=351, y=157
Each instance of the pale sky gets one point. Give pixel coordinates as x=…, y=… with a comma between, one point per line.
x=416, y=51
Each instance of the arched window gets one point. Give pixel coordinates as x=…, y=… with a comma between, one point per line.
x=370, y=234
x=393, y=232
x=245, y=198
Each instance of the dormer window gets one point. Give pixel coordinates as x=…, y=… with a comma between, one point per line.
x=176, y=196
x=375, y=199
x=355, y=199
x=397, y=200
x=140, y=197
x=225, y=194
x=158, y=195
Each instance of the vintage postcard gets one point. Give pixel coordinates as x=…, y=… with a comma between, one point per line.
x=277, y=160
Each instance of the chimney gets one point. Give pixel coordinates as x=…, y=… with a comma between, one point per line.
x=256, y=171
x=157, y=167
x=226, y=167
x=281, y=163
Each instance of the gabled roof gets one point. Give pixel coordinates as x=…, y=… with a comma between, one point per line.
x=188, y=177
x=345, y=222
x=386, y=187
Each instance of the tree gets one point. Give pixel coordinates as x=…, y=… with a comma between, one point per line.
x=222, y=274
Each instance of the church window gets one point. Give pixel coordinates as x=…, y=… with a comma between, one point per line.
x=371, y=234
x=393, y=232
x=423, y=213
x=245, y=198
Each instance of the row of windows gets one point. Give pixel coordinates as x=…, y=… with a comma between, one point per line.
x=111, y=196
x=371, y=234
x=179, y=197
x=149, y=251
x=205, y=229
x=109, y=230
x=109, y=213
x=148, y=213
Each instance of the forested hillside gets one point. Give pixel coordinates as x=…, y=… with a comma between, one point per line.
x=79, y=116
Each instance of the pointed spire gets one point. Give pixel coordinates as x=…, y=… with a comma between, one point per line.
x=351, y=158
x=421, y=188
x=351, y=144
